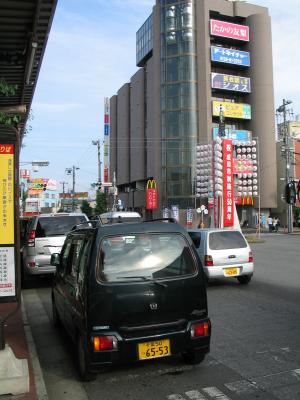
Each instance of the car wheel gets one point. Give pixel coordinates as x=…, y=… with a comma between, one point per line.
x=193, y=357
x=82, y=360
x=244, y=279
x=55, y=316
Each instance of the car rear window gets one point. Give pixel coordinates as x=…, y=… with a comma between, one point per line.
x=144, y=256
x=226, y=240
x=57, y=226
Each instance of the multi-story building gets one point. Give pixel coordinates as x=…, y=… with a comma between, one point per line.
x=293, y=131
x=195, y=58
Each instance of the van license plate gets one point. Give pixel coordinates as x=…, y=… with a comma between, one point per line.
x=231, y=271
x=155, y=349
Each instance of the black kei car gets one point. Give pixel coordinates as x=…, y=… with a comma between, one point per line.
x=131, y=292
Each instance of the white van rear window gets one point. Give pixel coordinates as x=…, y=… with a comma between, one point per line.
x=226, y=240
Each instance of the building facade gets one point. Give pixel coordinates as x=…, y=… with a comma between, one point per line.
x=195, y=58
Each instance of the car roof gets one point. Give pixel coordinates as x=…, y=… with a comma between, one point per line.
x=127, y=228
x=60, y=215
x=124, y=214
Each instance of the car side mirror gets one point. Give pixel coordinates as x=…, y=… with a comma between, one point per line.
x=55, y=259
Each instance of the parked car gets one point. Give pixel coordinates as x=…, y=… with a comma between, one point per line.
x=131, y=292
x=45, y=234
x=224, y=253
x=113, y=217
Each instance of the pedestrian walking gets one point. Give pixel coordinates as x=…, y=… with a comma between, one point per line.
x=275, y=224
x=270, y=223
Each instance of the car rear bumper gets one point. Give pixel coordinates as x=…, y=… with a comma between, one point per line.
x=219, y=271
x=127, y=351
x=38, y=265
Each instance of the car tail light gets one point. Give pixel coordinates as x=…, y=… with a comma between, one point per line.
x=31, y=239
x=101, y=343
x=208, y=261
x=31, y=264
x=200, y=329
x=250, y=256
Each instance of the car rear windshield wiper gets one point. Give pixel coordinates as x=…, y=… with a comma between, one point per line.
x=144, y=278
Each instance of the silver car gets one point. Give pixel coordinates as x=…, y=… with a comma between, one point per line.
x=45, y=235
x=224, y=253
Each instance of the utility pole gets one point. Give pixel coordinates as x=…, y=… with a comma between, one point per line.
x=287, y=152
x=97, y=143
x=72, y=171
x=63, y=183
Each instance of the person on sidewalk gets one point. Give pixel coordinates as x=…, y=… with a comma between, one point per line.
x=270, y=223
x=276, y=224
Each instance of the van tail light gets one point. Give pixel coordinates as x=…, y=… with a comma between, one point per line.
x=31, y=239
x=250, y=256
x=31, y=264
x=101, y=343
x=200, y=329
x=208, y=261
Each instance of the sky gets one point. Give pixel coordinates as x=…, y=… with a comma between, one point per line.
x=91, y=53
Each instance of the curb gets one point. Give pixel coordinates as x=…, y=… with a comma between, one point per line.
x=36, y=366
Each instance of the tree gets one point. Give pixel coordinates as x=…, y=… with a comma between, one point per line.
x=101, y=203
x=86, y=208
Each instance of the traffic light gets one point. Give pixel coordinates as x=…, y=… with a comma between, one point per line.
x=290, y=192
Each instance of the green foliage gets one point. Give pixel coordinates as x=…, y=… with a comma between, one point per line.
x=101, y=203
x=6, y=89
x=7, y=119
x=86, y=208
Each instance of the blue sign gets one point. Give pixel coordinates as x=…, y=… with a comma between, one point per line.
x=234, y=134
x=230, y=56
x=106, y=129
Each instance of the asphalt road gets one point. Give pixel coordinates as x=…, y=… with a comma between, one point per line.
x=255, y=348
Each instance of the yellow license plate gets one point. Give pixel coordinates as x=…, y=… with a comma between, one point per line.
x=231, y=271
x=155, y=349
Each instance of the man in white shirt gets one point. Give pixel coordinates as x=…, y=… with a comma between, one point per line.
x=270, y=223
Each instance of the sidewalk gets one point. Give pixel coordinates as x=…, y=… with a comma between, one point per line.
x=18, y=336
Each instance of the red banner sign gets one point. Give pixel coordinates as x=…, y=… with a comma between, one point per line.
x=229, y=30
x=151, y=195
x=228, y=184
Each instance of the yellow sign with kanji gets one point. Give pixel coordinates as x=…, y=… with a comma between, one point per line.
x=7, y=231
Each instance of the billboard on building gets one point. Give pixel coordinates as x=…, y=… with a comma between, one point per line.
x=230, y=56
x=229, y=30
x=230, y=82
x=235, y=134
x=232, y=110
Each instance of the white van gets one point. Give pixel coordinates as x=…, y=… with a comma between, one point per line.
x=224, y=253
x=114, y=217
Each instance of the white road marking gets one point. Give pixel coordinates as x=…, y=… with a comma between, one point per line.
x=175, y=397
x=195, y=395
x=215, y=393
x=241, y=387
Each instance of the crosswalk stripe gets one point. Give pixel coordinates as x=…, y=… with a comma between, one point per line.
x=175, y=397
x=215, y=393
x=195, y=395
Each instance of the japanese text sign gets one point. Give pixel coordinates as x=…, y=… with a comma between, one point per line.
x=229, y=30
x=232, y=110
x=230, y=82
x=6, y=194
x=7, y=273
x=235, y=134
x=230, y=56
x=228, y=184
x=151, y=195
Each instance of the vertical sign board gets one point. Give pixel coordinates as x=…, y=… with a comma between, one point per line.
x=106, y=138
x=7, y=226
x=228, y=184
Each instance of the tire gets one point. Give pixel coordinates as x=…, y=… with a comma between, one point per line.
x=193, y=357
x=244, y=279
x=82, y=361
x=55, y=316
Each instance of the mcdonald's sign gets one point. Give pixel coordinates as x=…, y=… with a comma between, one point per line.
x=151, y=195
